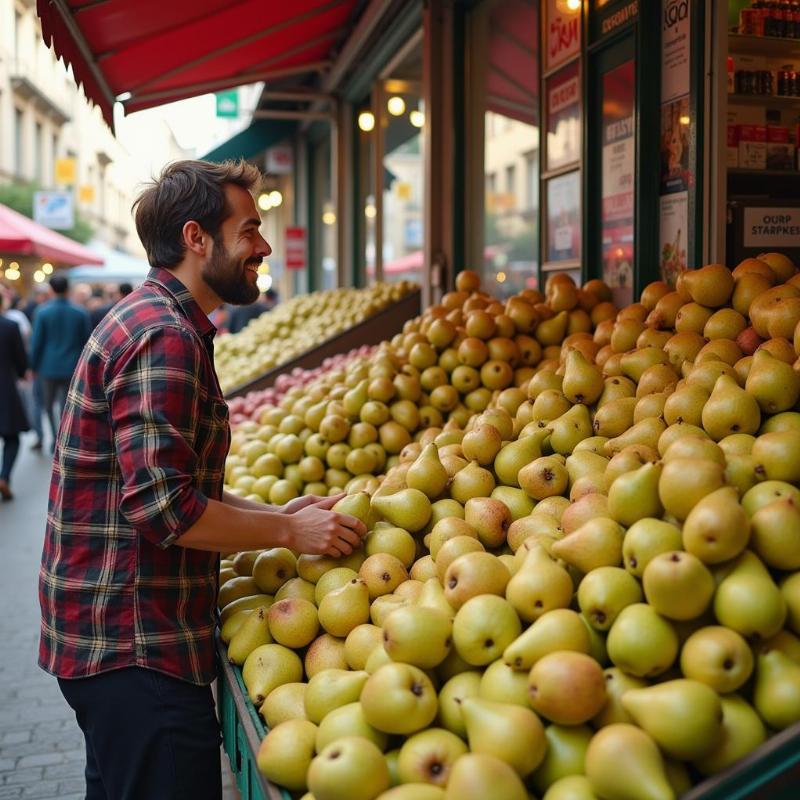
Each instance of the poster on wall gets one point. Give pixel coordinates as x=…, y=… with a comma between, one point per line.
x=676, y=174
x=618, y=164
x=563, y=117
x=562, y=32
x=674, y=213
x=675, y=49
x=564, y=217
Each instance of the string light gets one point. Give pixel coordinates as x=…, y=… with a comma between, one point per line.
x=416, y=118
x=47, y=268
x=276, y=198
x=396, y=106
x=501, y=277
x=39, y=276
x=264, y=201
x=573, y=5
x=366, y=121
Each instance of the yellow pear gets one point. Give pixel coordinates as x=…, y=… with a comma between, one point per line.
x=539, y=585
x=774, y=384
x=427, y=473
x=583, y=381
x=717, y=529
x=634, y=495
x=730, y=409
x=596, y=543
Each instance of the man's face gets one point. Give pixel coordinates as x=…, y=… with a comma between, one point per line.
x=232, y=269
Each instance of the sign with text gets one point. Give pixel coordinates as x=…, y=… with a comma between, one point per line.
x=54, y=210
x=771, y=228
x=673, y=235
x=562, y=33
x=675, y=49
x=613, y=17
x=280, y=160
x=563, y=117
x=295, y=239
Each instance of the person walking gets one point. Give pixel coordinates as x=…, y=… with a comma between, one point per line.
x=13, y=365
x=138, y=515
x=60, y=330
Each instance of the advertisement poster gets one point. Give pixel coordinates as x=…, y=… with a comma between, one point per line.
x=563, y=117
x=564, y=217
x=675, y=146
x=618, y=164
x=674, y=215
x=562, y=33
x=675, y=49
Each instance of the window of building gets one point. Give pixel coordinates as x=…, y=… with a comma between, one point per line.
x=38, y=154
x=19, y=142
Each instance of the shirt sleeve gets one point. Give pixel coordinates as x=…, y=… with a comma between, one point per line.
x=153, y=395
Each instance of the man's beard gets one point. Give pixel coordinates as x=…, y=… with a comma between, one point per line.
x=228, y=277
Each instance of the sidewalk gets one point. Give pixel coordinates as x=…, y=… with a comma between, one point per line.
x=41, y=747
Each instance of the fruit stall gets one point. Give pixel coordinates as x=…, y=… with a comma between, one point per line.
x=581, y=577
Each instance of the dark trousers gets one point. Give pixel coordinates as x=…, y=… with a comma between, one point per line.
x=148, y=736
x=54, y=390
x=10, y=451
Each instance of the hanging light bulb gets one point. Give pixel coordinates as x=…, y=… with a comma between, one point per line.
x=47, y=268
x=275, y=198
x=265, y=201
x=416, y=118
x=328, y=214
x=38, y=276
x=366, y=121
x=396, y=106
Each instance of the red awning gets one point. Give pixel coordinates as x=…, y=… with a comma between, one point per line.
x=20, y=236
x=160, y=51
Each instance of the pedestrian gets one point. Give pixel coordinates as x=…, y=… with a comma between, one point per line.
x=13, y=365
x=138, y=516
x=60, y=330
x=240, y=316
x=39, y=296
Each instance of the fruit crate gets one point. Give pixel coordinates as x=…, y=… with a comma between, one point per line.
x=383, y=325
x=242, y=732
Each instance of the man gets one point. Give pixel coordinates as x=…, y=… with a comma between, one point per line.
x=60, y=330
x=13, y=364
x=138, y=516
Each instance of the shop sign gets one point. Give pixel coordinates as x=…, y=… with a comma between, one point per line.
x=674, y=233
x=563, y=117
x=563, y=33
x=771, y=228
x=228, y=104
x=65, y=171
x=295, y=243
x=564, y=217
x=612, y=20
x=280, y=160
x=54, y=210
x=86, y=194
x=675, y=49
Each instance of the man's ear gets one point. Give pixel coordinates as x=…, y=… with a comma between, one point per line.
x=195, y=238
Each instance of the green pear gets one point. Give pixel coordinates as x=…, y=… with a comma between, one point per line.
x=446, y=507
x=452, y=550
x=718, y=657
x=684, y=482
x=482, y=444
x=786, y=642
x=573, y=787
x=284, y=702
x=253, y=632
x=356, y=505
x=615, y=417
x=476, y=776
x=293, y=622
x=432, y=596
x=730, y=409
x=693, y=444
x=683, y=716
x=428, y=757
x=517, y=502
x=297, y=587
x=418, y=635
x=559, y=629
x=775, y=534
x=233, y=623
x=325, y=652
x=644, y=540
x=737, y=444
x=617, y=683
x=742, y=732
x=312, y=568
x=383, y=573
x=678, y=585
x=634, y=495
x=399, y=698
x=583, y=380
x=286, y=752
x=740, y=472
x=773, y=383
x=383, y=606
x=355, y=398
x=427, y=473
x=641, y=642
x=483, y=627
x=734, y=603
x=235, y=590
x=717, y=529
x=448, y=528
x=451, y=700
x=764, y=493
x=348, y=720
x=509, y=732
x=584, y=462
x=502, y=684
x=565, y=755
x=490, y=518
x=330, y=689
x=332, y=580
x=646, y=432
x=538, y=586
x=597, y=643
x=604, y=592
x=273, y=567
x=343, y=609
x=623, y=762
x=410, y=791
x=532, y=525
x=544, y=477
x=394, y=541
x=776, y=694
x=408, y=508
x=268, y=666
x=350, y=768
x=567, y=688
x=784, y=421
x=569, y=429
x=776, y=456
x=474, y=574
x=472, y=481
x=686, y=405
x=360, y=642
x=548, y=405
x=790, y=590
x=596, y=543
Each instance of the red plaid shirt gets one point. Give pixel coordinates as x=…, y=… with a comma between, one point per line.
x=142, y=445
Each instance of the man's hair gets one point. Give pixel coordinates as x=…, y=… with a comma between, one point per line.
x=187, y=190
x=59, y=284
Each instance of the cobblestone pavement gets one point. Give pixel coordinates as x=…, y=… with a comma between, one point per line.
x=41, y=747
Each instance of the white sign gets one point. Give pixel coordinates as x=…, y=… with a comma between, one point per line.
x=675, y=48
x=771, y=227
x=54, y=210
x=674, y=235
x=280, y=160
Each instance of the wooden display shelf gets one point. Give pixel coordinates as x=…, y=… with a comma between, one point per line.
x=770, y=46
x=375, y=329
x=764, y=173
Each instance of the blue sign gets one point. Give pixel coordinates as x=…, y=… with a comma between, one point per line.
x=54, y=210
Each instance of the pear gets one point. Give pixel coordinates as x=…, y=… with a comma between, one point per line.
x=567, y=687
x=244, y=562
x=474, y=574
x=355, y=398
x=569, y=429
x=615, y=387
x=432, y=596
x=596, y=543
x=343, y=609
x=325, y=652
x=446, y=529
x=483, y=628
x=410, y=791
x=583, y=380
x=709, y=286
x=533, y=525
x=482, y=444
x=644, y=540
x=635, y=363
x=472, y=481
x=427, y=474
x=678, y=585
x=451, y=550
x=284, y=702
x=734, y=604
x=348, y=720
x=538, y=586
x=510, y=460
x=383, y=606
x=777, y=456
x=718, y=657
x=312, y=568
x=566, y=754
x=268, y=666
x=790, y=590
x=236, y=589
x=286, y=752
x=451, y=700
x=427, y=757
x=297, y=587
x=356, y=505
x=774, y=384
x=350, y=768
x=551, y=331
x=476, y=776
x=646, y=432
x=762, y=494
x=558, y=630
x=683, y=716
x=574, y=515
x=394, y=541
x=634, y=495
x=776, y=534
x=742, y=732
x=418, y=635
x=641, y=642
x=408, y=508
x=382, y=573
x=776, y=694
x=785, y=421
x=617, y=683
x=501, y=684
x=730, y=409
x=604, y=592
x=490, y=518
x=686, y=481
x=573, y=787
x=690, y=446
x=253, y=632
x=624, y=762
x=233, y=623
x=330, y=689
x=274, y=567
x=548, y=405
x=615, y=417
x=293, y=622
x=517, y=502
x=740, y=473
x=360, y=642
x=399, y=698
x=685, y=405
x=509, y=732
x=544, y=477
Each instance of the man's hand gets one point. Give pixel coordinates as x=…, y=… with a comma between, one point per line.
x=299, y=503
x=318, y=531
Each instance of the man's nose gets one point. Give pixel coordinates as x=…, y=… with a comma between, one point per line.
x=264, y=250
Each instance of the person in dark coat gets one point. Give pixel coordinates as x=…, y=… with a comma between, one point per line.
x=13, y=365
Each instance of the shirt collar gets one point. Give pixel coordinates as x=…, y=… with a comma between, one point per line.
x=166, y=279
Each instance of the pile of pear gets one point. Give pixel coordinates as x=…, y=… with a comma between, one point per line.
x=590, y=589
x=297, y=325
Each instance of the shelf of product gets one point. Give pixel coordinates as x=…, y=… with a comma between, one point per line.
x=281, y=337
x=582, y=572
x=759, y=45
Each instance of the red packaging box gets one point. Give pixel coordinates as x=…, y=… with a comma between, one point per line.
x=752, y=133
x=778, y=134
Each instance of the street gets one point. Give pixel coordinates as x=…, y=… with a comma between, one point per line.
x=41, y=747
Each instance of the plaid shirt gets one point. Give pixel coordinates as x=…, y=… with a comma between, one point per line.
x=142, y=445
